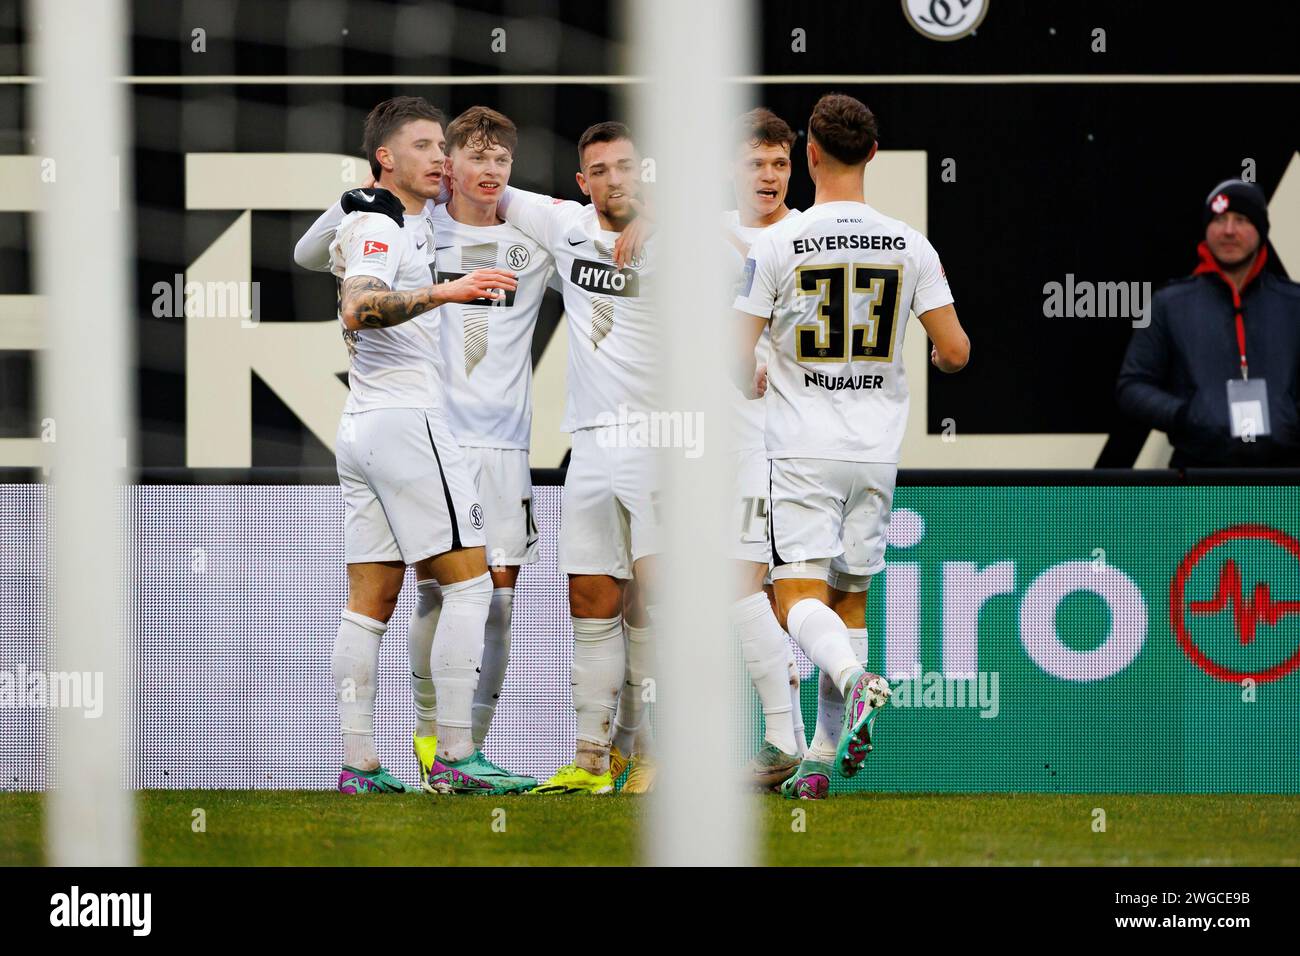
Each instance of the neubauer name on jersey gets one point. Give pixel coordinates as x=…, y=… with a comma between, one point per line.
x=801, y=247
x=848, y=381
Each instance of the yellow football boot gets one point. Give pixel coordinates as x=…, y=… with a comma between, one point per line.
x=641, y=774
x=426, y=752
x=617, y=763
x=573, y=779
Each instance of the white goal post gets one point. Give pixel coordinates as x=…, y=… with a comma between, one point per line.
x=689, y=52
x=80, y=54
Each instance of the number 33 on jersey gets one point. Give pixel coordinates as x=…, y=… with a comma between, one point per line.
x=837, y=284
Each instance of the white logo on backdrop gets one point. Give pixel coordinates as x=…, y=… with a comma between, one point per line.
x=945, y=19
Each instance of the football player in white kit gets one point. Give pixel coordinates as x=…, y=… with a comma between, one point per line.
x=609, y=532
x=488, y=368
x=485, y=356
x=407, y=491
x=835, y=286
x=761, y=176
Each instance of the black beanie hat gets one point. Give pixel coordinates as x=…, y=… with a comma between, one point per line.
x=1245, y=198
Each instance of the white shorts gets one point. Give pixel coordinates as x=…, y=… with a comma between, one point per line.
x=407, y=493
x=832, y=515
x=752, y=543
x=610, y=497
x=505, y=489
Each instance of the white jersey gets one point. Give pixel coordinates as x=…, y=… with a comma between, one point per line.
x=837, y=283
x=615, y=343
x=487, y=346
x=395, y=367
x=747, y=413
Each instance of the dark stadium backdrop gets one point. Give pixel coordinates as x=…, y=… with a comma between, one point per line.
x=1101, y=182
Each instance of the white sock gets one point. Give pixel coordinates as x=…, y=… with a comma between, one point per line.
x=830, y=704
x=354, y=664
x=424, y=624
x=830, y=720
x=796, y=701
x=644, y=744
x=496, y=654
x=766, y=653
x=858, y=641
x=629, y=721
x=457, y=654
x=824, y=638
x=598, y=663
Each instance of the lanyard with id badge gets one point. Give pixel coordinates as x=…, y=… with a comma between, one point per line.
x=1247, y=397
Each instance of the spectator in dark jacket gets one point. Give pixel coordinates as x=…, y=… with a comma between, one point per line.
x=1230, y=321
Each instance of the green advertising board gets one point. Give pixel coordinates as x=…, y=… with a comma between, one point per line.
x=1120, y=638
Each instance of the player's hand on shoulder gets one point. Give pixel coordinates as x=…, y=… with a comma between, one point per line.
x=374, y=199
x=479, y=284
x=631, y=241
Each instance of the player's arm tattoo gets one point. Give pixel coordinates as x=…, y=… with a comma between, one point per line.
x=371, y=304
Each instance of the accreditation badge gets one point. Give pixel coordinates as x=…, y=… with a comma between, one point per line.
x=1248, y=407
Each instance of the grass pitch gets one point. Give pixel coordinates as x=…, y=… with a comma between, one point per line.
x=277, y=828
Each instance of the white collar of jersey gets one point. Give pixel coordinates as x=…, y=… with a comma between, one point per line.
x=444, y=215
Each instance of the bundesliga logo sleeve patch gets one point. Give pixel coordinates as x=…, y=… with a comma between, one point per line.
x=747, y=280
x=372, y=248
